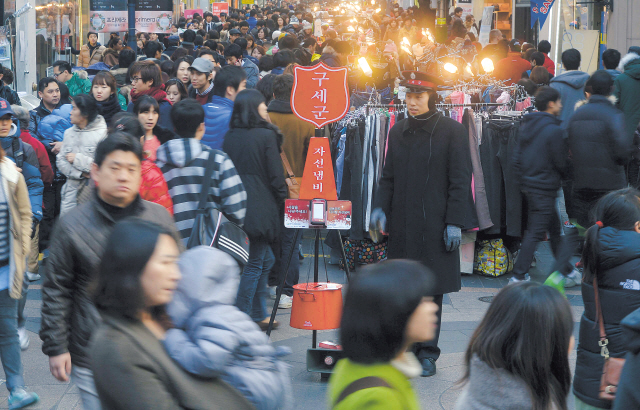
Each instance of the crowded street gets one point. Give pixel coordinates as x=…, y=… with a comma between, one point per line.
x=358, y=204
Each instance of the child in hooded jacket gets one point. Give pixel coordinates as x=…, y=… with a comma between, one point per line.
x=213, y=338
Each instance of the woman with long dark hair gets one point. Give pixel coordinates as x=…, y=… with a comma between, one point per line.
x=612, y=257
x=176, y=91
x=254, y=146
x=104, y=91
x=181, y=71
x=385, y=313
x=136, y=280
x=518, y=357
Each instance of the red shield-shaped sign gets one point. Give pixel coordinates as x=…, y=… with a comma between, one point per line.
x=320, y=94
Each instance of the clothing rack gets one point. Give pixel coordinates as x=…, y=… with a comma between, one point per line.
x=385, y=106
x=471, y=105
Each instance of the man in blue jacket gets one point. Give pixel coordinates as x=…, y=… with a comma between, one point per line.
x=541, y=162
x=217, y=114
x=233, y=55
x=570, y=84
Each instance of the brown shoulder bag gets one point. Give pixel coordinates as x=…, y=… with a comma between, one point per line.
x=612, y=365
x=293, y=183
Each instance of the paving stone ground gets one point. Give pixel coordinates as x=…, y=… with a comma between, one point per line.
x=462, y=312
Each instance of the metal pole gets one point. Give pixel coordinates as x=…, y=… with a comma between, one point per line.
x=344, y=260
x=316, y=258
x=132, y=26
x=281, y=286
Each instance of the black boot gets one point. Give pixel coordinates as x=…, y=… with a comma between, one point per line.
x=428, y=367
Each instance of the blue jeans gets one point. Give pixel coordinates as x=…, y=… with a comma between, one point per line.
x=252, y=292
x=9, y=343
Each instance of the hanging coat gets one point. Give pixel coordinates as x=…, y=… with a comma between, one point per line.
x=424, y=187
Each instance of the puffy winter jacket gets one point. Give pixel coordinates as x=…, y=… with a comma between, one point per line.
x=30, y=170
x=541, y=156
x=79, y=83
x=82, y=142
x=619, y=290
x=252, y=72
x=255, y=152
x=69, y=317
x=183, y=162
x=628, y=395
x=627, y=91
x=153, y=187
x=35, y=117
x=88, y=57
x=213, y=338
x=10, y=95
x=46, y=172
x=599, y=146
x=217, y=115
x=570, y=84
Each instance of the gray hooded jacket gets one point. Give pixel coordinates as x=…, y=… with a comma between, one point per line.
x=213, y=338
x=570, y=84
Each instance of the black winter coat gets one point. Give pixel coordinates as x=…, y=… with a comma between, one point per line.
x=255, y=153
x=599, y=145
x=628, y=394
x=541, y=156
x=619, y=290
x=424, y=187
x=77, y=243
x=10, y=95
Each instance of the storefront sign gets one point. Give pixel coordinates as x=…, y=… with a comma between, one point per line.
x=217, y=8
x=540, y=11
x=107, y=16
x=154, y=16
x=320, y=94
x=485, y=29
x=188, y=14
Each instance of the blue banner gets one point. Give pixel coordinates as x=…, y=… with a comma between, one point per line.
x=540, y=11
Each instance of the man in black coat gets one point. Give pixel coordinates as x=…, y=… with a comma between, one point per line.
x=600, y=147
x=423, y=194
x=541, y=162
x=69, y=317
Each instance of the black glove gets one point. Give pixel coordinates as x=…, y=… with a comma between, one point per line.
x=34, y=225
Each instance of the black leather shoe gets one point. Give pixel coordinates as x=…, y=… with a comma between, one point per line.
x=428, y=367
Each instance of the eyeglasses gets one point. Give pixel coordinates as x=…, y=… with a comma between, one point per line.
x=56, y=75
x=135, y=80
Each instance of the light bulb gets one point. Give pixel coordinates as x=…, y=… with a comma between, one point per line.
x=487, y=65
x=342, y=11
x=351, y=29
x=378, y=10
x=405, y=41
x=364, y=65
x=373, y=2
x=357, y=7
x=451, y=68
x=406, y=50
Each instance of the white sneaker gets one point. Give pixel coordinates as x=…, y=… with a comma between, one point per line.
x=573, y=279
x=285, y=302
x=23, y=336
x=33, y=277
x=513, y=279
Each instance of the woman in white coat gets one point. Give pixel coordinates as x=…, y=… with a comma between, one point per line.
x=78, y=148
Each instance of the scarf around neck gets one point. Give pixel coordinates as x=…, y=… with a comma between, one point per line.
x=109, y=108
x=156, y=92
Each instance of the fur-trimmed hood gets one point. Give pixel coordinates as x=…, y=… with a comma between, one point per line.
x=611, y=98
x=626, y=60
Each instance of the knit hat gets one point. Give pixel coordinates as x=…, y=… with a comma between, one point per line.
x=294, y=20
x=306, y=25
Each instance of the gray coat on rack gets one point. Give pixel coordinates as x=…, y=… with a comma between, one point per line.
x=424, y=187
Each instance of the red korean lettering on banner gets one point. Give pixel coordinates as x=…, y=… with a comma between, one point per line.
x=318, y=181
x=320, y=94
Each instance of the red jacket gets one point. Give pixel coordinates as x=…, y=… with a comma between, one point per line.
x=511, y=68
x=549, y=65
x=46, y=173
x=154, y=187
